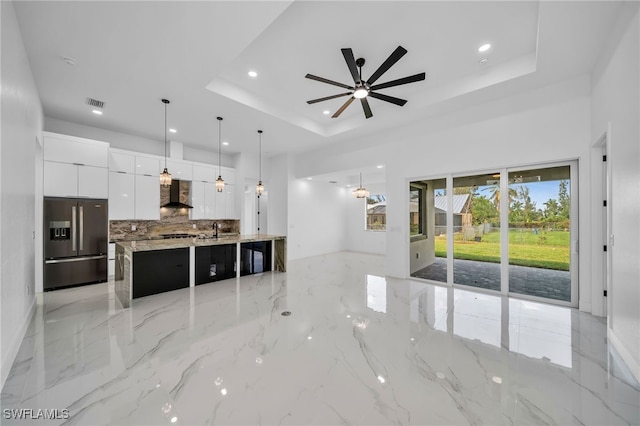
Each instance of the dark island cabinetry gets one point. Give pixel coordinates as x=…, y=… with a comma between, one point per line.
x=215, y=263
x=255, y=257
x=158, y=271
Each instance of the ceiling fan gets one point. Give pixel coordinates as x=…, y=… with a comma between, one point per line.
x=363, y=89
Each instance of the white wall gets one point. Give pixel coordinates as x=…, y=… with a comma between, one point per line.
x=276, y=175
x=358, y=238
x=616, y=101
x=134, y=143
x=316, y=218
x=21, y=118
x=534, y=127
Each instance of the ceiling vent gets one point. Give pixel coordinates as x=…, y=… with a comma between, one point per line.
x=95, y=103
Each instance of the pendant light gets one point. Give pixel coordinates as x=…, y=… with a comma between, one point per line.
x=260, y=186
x=361, y=192
x=219, y=181
x=165, y=176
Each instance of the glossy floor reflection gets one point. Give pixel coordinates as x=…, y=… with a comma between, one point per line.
x=358, y=348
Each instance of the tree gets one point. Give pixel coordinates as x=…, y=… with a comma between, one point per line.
x=494, y=194
x=564, y=200
x=484, y=211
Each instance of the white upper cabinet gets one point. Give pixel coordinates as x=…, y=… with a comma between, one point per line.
x=181, y=170
x=202, y=173
x=147, y=201
x=70, y=149
x=60, y=179
x=93, y=182
x=120, y=162
x=228, y=174
x=121, y=196
x=149, y=166
x=203, y=200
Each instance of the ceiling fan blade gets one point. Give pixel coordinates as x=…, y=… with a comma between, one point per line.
x=398, y=82
x=343, y=107
x=366, y=108
x=351, y=63
x=324, y=80
x=313, y=101
x=392, y=59
x=386, y=98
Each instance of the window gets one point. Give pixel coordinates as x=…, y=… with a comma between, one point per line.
x=417, y=211
x=376, y=211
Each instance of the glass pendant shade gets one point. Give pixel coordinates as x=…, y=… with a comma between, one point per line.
x=361, y=191
x=165, y=178
x=259, y=188
x=220, y=184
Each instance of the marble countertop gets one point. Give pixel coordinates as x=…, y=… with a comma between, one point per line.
x=148, y=245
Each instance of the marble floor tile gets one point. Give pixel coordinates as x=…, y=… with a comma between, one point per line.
x=359, y=348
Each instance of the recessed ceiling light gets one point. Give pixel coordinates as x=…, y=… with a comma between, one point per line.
x=326, y=112
x=225, y=143
x=309, y=178
x=484, y=47
x=96, y=112
x=379, y=166
x=252, y=74
x=173, y=130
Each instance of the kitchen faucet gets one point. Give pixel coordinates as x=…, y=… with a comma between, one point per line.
x=215, y=228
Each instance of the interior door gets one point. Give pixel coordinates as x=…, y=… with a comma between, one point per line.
x=92, y=227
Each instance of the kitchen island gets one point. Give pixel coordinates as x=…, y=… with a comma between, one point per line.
x=146, y=267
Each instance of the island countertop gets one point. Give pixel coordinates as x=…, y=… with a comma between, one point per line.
x=148, y=245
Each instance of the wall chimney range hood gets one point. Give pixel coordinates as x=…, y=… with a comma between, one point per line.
x=174, y=197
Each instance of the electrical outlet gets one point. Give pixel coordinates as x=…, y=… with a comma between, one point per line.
x=133, y=227
x=417, y=255
x=194, y=226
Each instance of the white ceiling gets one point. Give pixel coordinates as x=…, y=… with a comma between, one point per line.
x=197, y=54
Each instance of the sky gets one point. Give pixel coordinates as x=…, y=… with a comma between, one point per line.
x=540, y=192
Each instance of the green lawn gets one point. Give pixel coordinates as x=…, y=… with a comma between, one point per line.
x=547, y=249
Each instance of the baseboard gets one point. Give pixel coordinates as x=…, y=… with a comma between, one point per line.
x=584, y=307
x=7, y=362
x=632, y=364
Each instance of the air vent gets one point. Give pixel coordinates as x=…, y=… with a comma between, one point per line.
x=333, y=181
x=95, y=103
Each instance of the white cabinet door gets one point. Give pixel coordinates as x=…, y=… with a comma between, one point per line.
x=60, y=179
x=230, y=201
x=120, y=162
x=70, y=149
x=198, y=200
x=181, y=170
x=147, y=205
x=147, y=166
x=93, y=182
x=121, y=196
x=220, y=204
x=209, y=200
x=204, y=173
x=229, y=175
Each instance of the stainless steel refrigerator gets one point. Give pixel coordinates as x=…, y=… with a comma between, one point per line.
x=75, y=242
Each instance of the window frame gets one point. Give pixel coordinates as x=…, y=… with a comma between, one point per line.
x=422, y=211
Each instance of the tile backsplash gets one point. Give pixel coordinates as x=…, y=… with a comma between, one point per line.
x=120, y=230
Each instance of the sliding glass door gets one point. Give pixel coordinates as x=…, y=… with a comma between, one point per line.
x=512, y=230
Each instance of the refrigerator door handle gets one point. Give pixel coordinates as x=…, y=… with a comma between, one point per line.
x=73, y=228
x=81, y=228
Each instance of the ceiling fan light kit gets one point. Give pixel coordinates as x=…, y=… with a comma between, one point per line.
x=365, y=89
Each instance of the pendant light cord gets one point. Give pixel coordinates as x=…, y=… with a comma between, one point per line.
x=219, y=146
x=260, y=160
x=165, y=135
